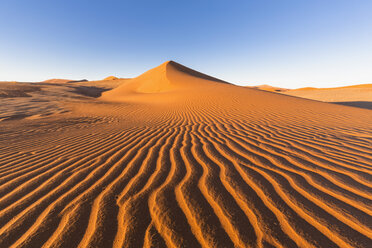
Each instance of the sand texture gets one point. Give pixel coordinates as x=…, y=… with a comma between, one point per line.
x=176, y=158
x=356, y=95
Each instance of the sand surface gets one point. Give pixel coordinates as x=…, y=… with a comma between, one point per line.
x=355, y=95
x=175, y=158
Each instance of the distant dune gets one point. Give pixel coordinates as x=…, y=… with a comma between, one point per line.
x=111, y=78
x=57, y=81
x=63, y=81
x=269, y=88
x=354, y=95
x=176, y=158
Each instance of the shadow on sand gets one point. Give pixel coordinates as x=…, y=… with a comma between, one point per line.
x=360, y=104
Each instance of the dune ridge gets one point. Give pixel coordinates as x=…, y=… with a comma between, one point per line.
x=175, y=158
x=111, y=78
x=354, y=95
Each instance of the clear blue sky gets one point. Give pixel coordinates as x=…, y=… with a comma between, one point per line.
x=289, y=43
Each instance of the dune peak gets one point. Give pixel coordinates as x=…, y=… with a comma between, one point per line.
x=167, y=77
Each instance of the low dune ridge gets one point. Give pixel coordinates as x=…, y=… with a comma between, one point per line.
x=356, y=86
x=57, y=81
x=63, y=81
x=111, y=78
x=354, y=95
x=269, y=88
x=176, y=158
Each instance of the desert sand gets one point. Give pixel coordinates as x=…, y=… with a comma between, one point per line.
x=270, y=88
x=176, y=158
x=111, y=78
x=354, y=95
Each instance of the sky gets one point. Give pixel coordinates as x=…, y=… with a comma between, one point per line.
x=286, y=43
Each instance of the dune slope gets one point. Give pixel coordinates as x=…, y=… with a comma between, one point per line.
x=355, y=95
x=175, y=158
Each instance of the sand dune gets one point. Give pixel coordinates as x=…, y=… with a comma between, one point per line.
x=176, y=158
x=269, y=88
x=354, y=95
x=57, y=81
x=111, y=78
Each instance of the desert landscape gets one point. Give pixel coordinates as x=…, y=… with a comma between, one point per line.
x=177, y=158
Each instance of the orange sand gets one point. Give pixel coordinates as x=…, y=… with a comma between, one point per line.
x=269, y=88
x=175, y=158
x=111, y=78
x=354, y=95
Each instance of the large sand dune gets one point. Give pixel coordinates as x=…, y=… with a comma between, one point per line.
x=175, y=158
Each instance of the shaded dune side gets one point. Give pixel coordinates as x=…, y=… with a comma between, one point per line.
x=222, y=166
x=191, y=72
